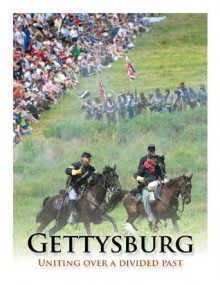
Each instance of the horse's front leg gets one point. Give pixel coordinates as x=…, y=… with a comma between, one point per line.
x=61, y=222
x=150, y=225
x=43, y=224
x=58, y=226
x=108, y=218
x=153, y=226
x=174, y=220
x=86, y=223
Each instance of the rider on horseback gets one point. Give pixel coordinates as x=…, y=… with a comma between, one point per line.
x=149, y=174
x=79, y=173
x=150, y=150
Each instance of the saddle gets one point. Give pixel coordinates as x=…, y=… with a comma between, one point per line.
x=136, y=197
x=63, y=196
x=136, y=194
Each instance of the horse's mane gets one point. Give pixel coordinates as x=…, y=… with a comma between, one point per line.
x=96, y=175
x=94, y=179
x=161, y=157
x=107, y=168
x=173, y=181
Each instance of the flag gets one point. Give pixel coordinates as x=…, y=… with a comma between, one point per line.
x=131, y=70
x=102, y=88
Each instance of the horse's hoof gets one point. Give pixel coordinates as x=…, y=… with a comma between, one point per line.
x=129, y=229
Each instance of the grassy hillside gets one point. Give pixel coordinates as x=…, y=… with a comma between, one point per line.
x=172, y=51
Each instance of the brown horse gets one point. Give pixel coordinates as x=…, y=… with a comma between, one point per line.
x=165, y=207
x=91, y=207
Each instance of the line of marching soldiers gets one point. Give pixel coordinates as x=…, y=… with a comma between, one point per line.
x=128, y=106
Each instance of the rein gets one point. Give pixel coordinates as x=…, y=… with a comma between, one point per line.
x=104, y=184
x=181, y=201
x=176, y=198
x=104, y=187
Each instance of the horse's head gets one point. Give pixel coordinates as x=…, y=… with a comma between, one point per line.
x=112, y=179
x=161, y=162
x=185, y=186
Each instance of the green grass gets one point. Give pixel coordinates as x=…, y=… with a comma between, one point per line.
x=172, y=51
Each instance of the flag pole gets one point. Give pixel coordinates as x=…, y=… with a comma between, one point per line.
x=131, y=72
x=99, y=75
x=101, y=87
x=129, y=82
x=129, y=85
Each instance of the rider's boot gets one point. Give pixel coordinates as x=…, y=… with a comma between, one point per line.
x=72, y=219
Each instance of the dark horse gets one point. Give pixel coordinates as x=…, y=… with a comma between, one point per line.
x=165, y=207
x=91, y=207
x=161, y=162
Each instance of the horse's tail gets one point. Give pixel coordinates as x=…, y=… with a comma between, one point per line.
x=41, y=211
x=115, y=199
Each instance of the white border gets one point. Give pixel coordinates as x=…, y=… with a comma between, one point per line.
x=200, y=268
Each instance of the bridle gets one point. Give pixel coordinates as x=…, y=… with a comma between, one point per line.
x=185, y=190
x=181, y=189
x=183, y=184
x=108, y=184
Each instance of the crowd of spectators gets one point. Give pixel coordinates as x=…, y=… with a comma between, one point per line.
x=54, y=51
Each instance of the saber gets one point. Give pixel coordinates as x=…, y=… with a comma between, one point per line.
x=66, y=190
x=84, y=95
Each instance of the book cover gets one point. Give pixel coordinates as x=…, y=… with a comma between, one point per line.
x=166, y=51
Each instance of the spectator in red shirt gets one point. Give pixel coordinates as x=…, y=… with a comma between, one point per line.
x=42, y=54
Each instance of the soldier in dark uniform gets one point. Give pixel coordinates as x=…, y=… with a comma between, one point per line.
x=110, y=108
x=151, y=174
x=185, y=92
x=202, y=95
x=122, y=105
x=193, y=98
x=169, y=100
x=98, y=109
x=79, y=173
x=87, y=107
x=158, y=101
x=150, y=150
x=151, y=101
x=143, y=101
x=131, y=108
